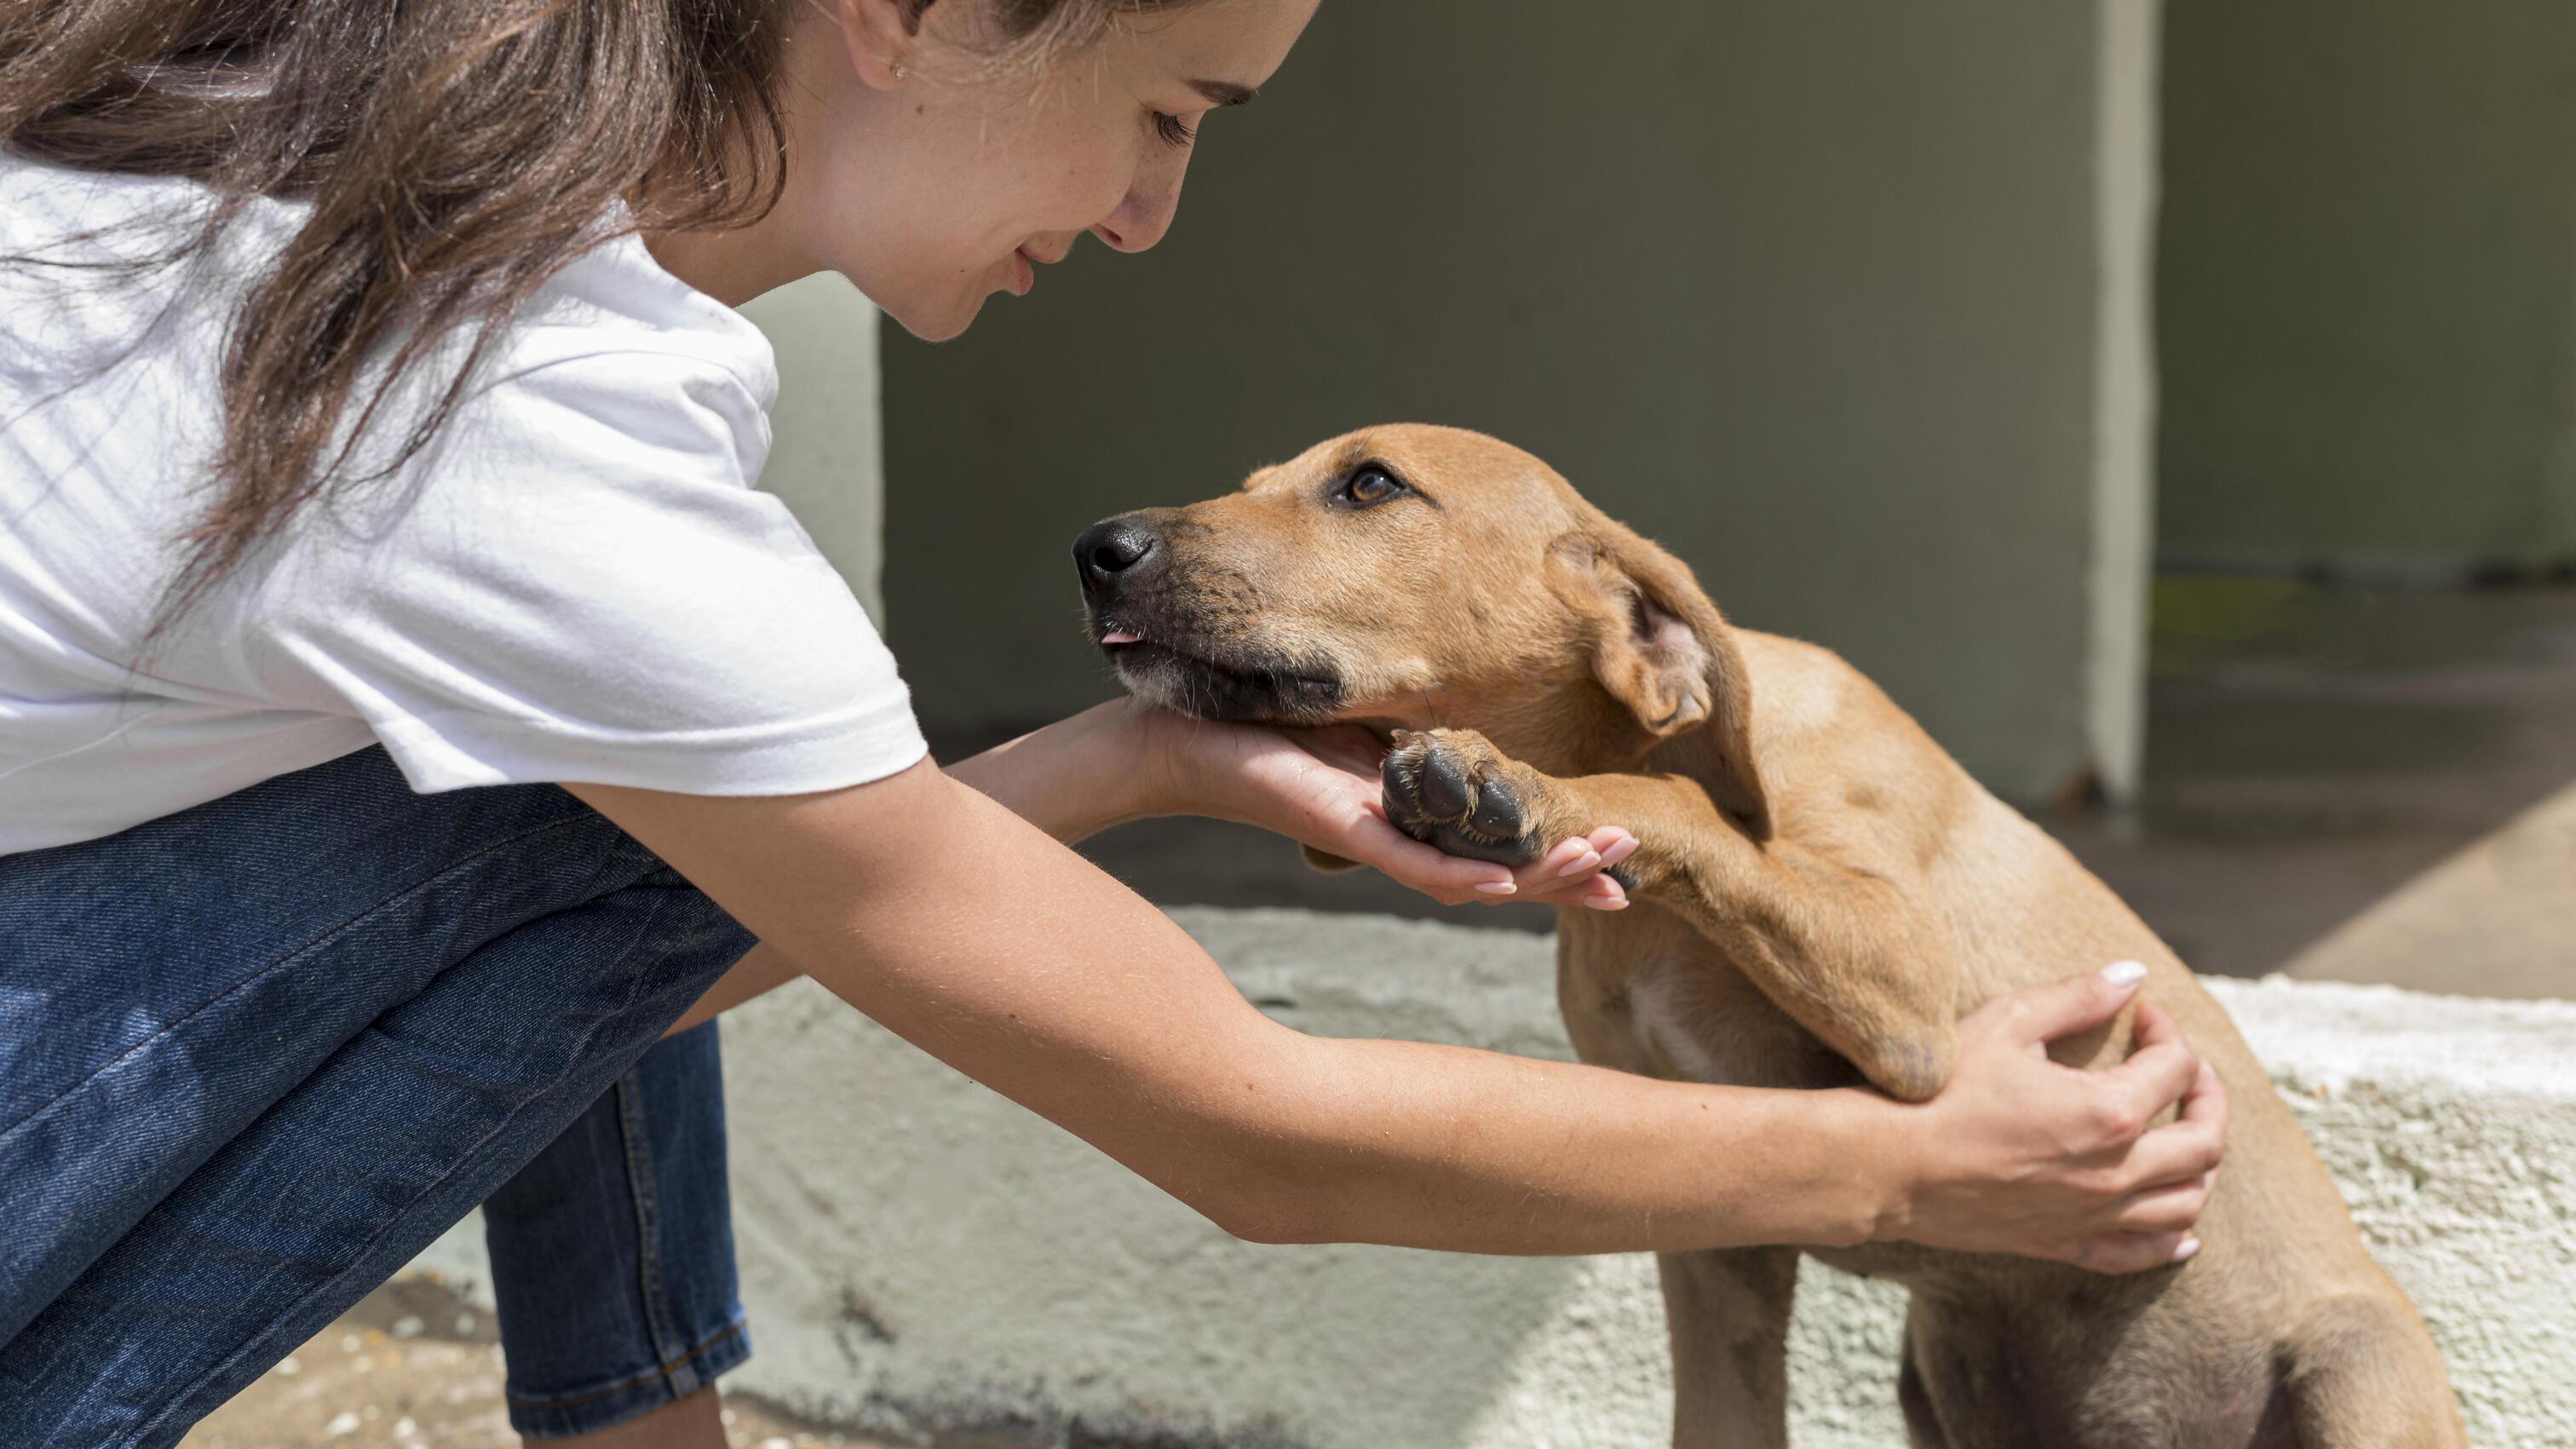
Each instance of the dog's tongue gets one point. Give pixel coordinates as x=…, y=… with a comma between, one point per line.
x=1121, y=636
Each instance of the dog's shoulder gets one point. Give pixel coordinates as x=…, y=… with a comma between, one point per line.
x=1836, y=751
x=1801, y=690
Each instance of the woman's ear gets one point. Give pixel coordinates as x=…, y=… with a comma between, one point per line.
x=879, y=36
x=1665, y=654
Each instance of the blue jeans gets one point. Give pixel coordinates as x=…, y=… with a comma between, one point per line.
x=255, y=1055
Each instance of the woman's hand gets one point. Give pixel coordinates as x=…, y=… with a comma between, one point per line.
x=2020, y=1155
x=1320, y=787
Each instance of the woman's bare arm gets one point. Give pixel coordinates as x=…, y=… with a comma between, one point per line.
x=972, y=934
x=1125, y=761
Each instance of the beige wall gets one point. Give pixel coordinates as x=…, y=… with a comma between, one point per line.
x=2368, y=287
x=1836, y=298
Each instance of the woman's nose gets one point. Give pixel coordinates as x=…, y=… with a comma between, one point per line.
x=1144, y=214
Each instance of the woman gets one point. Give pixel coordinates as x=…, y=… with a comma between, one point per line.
x=409, y=713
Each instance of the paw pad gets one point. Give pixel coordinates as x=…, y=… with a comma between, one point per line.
x=1450, y=789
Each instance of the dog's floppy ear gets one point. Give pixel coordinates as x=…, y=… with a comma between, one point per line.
x=1665, y=653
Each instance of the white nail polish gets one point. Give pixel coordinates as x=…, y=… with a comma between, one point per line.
x=2125, y=973
x=1496, y=887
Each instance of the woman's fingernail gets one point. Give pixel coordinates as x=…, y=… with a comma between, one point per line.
x=1581, y=863
x=2184, y=1249
x=2125, y=973
x=1619, y=850
x=1598, y=904
x=1496, y=887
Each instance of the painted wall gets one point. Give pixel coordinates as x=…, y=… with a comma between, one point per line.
x=827, y=434
x=2367, y=294
x=1839, y=299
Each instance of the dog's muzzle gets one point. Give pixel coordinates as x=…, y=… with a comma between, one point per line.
x=1165, y=656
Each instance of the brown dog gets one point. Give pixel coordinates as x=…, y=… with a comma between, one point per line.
x=1830, y=893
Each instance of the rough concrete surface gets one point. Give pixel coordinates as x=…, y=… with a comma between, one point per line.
x=920, y=1255
x=927, y=1265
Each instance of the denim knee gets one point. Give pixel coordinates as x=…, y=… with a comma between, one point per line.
x=612, y=1252
x=255, y=1055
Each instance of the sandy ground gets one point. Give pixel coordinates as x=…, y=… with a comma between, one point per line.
x=415, y=1367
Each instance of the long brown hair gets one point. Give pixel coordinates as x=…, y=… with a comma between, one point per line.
x=455, y=154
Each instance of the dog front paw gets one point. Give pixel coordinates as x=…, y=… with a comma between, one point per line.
x=1453, y=790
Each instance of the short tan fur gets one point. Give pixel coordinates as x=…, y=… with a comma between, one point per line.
x=1824, y=892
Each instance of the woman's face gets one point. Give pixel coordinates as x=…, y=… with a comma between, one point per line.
x=934, y=187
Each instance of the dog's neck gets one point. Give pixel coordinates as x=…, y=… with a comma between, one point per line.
x=1577, y=730
x=1581, y=730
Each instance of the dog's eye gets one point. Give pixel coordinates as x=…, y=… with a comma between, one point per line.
x=1368, y=485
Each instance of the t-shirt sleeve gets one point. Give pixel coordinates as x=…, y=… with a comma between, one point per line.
x=579, y=581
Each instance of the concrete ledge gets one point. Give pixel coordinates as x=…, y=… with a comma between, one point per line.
x=922, y=1256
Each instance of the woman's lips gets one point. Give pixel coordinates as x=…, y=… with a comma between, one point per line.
x=1024, y=273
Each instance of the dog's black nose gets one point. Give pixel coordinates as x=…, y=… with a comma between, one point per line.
x=1110, y=549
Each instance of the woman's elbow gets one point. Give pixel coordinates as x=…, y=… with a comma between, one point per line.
x=1266, y=1204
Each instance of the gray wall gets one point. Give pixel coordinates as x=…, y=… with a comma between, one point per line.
x=1812, y=290
x=827, y=434
x=2367, y=307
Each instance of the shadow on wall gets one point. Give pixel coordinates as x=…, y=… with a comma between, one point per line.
x=2366, y=277
x=1806, y=289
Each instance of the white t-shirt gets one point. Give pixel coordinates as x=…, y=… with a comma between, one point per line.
x=576, y=580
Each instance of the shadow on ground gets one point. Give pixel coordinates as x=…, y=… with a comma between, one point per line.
x=2355, y=785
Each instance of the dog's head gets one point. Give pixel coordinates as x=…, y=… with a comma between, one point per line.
x=1418, y=576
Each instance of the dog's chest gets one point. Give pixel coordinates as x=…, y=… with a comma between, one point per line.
x=1644, y=992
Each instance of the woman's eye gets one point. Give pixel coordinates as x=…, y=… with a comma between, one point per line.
x=1173, y=130
x=1369, y=485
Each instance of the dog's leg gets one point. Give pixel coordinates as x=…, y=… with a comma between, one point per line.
x=1922, y=1422
x=1914, y=1391
x=1844, y=948
x=2362, y=1373
x=1729, y=1313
